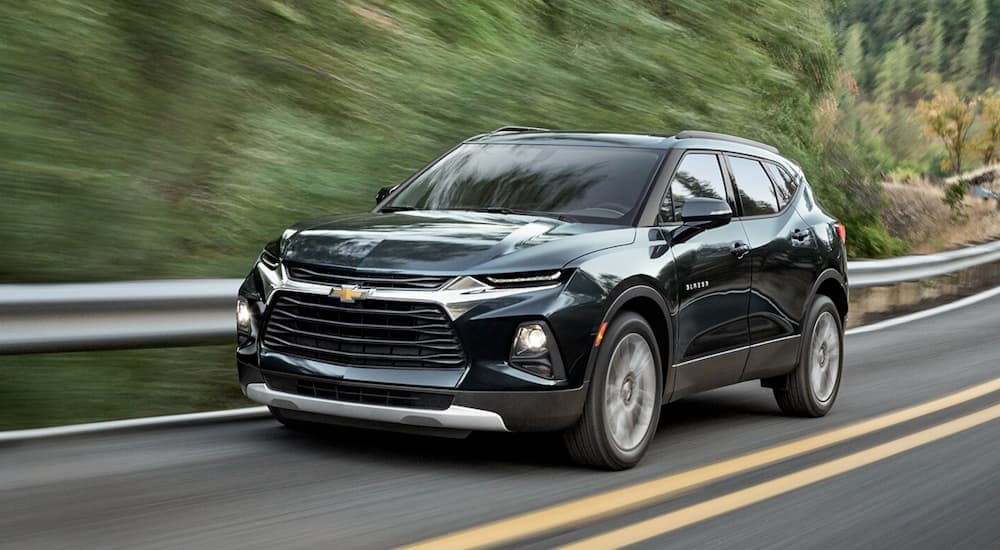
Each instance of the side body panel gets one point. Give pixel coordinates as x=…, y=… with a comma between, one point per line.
x=713, y=286
x=784, y=265
x=791, y=253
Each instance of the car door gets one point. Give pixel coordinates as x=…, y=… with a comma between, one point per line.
x=782, y=264
x=713, y=282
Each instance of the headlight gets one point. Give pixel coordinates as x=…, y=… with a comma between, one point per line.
x=516, y=280
x=270, y=256
x=244, y=317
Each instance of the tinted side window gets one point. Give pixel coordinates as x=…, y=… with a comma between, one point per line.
x=779, y=187
x=756, y=191
x=699, y=175
x=784, y=183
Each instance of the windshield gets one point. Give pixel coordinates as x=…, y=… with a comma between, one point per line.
x=596, y=184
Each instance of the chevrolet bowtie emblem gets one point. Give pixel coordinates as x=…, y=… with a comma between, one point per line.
x=350, y=293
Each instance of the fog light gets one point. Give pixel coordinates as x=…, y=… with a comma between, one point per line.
x=531, y=340
x=244, y=317
x=534, y=350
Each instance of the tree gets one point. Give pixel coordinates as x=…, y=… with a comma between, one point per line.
x=989, y=139
x=969, y=59
x=950, y=118
x=853, y=57
x=896, y=72
x=930, y=40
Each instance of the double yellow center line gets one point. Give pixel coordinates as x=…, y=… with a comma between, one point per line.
x=626, y=499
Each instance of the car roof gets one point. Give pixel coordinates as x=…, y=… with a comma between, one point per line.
x=685, y=140
x=593, y=139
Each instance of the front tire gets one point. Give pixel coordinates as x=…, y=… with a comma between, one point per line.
x=623, y=402
x=811, y=389
x=291, y=423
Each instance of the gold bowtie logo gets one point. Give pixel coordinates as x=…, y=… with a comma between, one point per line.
x=350, y=293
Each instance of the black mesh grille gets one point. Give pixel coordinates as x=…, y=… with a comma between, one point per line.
x=339, y=391
x=335, y=276
x=367, y=333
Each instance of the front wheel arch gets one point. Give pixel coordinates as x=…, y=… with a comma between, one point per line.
x=650, y=304
x=594, y=441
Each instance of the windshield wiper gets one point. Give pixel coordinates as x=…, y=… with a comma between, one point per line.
x=397, y=208
x=517, y=211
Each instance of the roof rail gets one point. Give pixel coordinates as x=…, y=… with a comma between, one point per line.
x=695, y=134
x=519, y=129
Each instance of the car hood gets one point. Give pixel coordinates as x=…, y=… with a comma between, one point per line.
x=447, y=242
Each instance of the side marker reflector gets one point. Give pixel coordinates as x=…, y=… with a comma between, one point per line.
x=600, y=334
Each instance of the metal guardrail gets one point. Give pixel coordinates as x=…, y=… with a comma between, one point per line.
x=864, y=273
x=142, y=314
x=135, y=314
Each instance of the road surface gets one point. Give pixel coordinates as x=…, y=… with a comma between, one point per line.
x=926, y=477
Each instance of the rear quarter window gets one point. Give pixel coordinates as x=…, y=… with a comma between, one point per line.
x=785, y=184
x=754, y=186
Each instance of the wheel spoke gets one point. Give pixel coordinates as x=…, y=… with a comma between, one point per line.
x=628, y=394
x=824, y=357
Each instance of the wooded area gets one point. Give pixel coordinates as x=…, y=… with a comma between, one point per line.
x=172, y=139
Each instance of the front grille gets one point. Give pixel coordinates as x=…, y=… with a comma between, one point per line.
x=339, y=391
x=335, y=276
x=367, y=333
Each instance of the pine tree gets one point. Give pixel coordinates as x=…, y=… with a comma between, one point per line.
x=930, y=39
x=895, y=73
x=854, y=53
x=969, y=58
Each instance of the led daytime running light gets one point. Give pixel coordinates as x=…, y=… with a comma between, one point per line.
x=548, y=277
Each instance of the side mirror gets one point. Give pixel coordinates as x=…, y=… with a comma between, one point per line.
x=705, y=213
x=384, y=192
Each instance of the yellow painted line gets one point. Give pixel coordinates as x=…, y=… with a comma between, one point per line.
x=660, y=525
x=618, y=501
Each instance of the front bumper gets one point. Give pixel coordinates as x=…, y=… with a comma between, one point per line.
x=514, y=411
x=455, y=417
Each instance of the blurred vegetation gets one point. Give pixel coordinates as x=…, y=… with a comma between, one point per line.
x=173, y=139
x=954, y=197
x=69, y=388
x=896, y=53
x=950, y=119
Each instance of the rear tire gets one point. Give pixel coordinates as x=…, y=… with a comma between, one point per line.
x=623, y=402
x=811, y=389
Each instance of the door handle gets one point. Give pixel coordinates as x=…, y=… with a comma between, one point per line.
x=800, y=234
x=740, y=249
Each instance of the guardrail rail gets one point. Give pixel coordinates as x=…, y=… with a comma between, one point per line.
x=141, y=314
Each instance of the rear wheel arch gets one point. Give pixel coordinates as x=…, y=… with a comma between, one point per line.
x=831, y=284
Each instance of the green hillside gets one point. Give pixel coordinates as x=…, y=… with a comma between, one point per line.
x=173, y=139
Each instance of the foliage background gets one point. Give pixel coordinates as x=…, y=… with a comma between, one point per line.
x=173, y=139
x=895, y=53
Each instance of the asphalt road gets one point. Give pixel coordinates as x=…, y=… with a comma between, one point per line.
x=252, y=484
